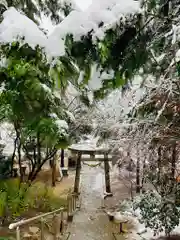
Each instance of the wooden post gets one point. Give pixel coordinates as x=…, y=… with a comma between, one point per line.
x=107, y=175
x=74, y=203
x=62, y=223
x=56, y=226
x=70, y=213
x=42, y=229
x=78, y=170
x=18, y=236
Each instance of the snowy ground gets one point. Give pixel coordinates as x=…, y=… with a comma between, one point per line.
x=91, y=223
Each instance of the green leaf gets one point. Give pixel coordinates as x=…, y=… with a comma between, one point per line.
x=118, y=81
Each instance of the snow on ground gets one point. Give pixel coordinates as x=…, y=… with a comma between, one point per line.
x=99, y=184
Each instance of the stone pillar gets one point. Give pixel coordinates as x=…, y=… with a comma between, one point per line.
x=107, y=176
x=78, y=171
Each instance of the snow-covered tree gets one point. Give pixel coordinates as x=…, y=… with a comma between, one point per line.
x=158, y=213
x=30, y=104
x=35, y=10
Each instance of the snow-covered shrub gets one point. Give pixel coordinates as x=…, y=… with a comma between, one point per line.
x=125, y=206
x=158, y=212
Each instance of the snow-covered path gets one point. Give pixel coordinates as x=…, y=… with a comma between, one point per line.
x=91, y=223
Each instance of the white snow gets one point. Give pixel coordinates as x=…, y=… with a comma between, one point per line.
x=46, y=88
x=79, y=23
x=175, y=33
x=99, y=183
x=76, y=23
x=95, y=81
x=90, y=97
x=54, y=115
x=89, y=144
x=62, y=124
x=4, y=3
x=71, y=116
x=16, y=25
x=177, y=57
x=115, y=106
x=7, y=138
x=83, y=4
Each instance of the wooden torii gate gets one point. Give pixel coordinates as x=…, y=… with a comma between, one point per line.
x=92, y=152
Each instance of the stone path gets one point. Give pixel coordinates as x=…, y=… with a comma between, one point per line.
x=91, y=223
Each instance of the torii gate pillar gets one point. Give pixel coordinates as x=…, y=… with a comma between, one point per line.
x=108, y=192
x=78, y=171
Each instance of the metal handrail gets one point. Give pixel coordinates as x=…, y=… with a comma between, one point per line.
x=71, y=209
x=23, y=222
x=72, y=206
x=41, y=217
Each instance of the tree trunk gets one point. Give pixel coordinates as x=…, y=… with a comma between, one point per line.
x=38, y=169
x=62, y=158
x=13, y=156
x=19, y=145
x=38, y=150
x=143, y=176
x=107, y=175
x=138, y=188
x=78, y=170
x=173, y=162
x=53, y=172
x=20, y=160
x=159, y=164
x=32, y=172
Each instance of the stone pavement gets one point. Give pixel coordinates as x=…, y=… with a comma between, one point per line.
x=91, y=222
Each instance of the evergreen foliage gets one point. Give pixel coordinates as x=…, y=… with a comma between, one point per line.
x=56, y=10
